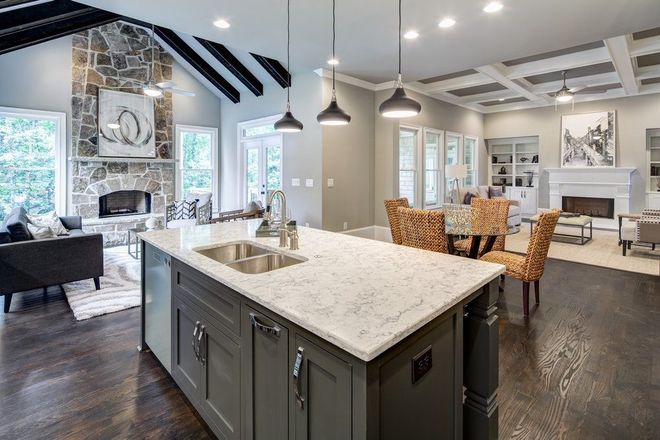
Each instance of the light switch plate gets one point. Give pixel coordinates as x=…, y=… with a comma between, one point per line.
x=309, y=183
x=295, y=182
x=331, y=183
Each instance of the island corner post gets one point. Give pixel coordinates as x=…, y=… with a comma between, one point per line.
x=481, y=364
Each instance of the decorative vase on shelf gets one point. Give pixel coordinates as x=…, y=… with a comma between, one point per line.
x=503, y=170
x=494, y=159
x=524, y=159
x=535, y=158
x=530, y=178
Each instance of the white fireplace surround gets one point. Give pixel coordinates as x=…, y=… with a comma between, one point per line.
x=608, y=183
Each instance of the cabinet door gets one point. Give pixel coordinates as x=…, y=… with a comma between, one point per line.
x=186, y=369
x=323, y=410
x=266, y=376
x=220, y=396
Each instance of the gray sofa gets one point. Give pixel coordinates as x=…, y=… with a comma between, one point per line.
x=27, y=264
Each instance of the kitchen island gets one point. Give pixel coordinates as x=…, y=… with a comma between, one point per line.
x=355, y=339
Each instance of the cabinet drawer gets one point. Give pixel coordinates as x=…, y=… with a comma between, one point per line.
x=218, y=301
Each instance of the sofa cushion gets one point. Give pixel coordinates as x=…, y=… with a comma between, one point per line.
x=514, y=210
x=495, y=191
x=16, y=224
x=75, y=232
x=201, y=197
x=184, y=209
x=467, y=200
x=48, y=220
x=483, y=191
x=41, y=232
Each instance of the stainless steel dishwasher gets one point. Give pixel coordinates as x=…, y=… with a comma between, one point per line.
x=157, y=304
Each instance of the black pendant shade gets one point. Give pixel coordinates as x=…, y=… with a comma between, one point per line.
x=399, y=105
x=288, y=124
x=333, y=114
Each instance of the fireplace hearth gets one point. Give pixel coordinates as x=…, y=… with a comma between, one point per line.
x=121, y=203
x=591, y=206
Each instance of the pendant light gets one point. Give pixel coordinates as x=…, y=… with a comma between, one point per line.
x=399, y=105
x=288, y=123
x=333, y=114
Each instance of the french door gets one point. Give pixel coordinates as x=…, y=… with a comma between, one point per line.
x=262, y=167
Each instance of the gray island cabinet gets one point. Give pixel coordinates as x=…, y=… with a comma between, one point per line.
x=253, y=373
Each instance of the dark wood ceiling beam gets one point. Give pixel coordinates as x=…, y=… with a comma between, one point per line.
x=65, y=21
x=175, y=43
x=231, y=63
x=274, y=69
x=9, y=3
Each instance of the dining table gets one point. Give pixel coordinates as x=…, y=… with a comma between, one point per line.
x=477, y=233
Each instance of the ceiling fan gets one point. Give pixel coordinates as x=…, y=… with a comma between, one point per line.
x=151, y=87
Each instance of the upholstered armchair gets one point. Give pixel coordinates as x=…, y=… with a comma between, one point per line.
x=195, y=209
x=646, y=230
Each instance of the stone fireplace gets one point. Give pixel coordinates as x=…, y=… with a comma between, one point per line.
x=126, y=202
x=113, y=195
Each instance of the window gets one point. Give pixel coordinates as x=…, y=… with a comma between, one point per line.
x=433, y=171
x=453, y=149
x=261, y=159
x=32, y=161
x=470, y=159
x=198, y=166
x=408, y=154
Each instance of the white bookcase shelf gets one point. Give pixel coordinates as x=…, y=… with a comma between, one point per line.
x=653, y=168
x=516, y=155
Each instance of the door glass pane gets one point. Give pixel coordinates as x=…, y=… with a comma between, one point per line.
x=469, y=151
x=407, y=165
x=252, y=174
x=27, y=164
x=431, y=169
x=273, y=165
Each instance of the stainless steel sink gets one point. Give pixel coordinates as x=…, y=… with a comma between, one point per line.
x=264, y=263
x=232, y=252
x=249, y=258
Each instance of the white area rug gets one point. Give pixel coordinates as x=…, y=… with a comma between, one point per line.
x=120, y=287
x=601, y=251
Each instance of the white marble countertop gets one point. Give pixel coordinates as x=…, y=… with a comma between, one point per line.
x=362, y=295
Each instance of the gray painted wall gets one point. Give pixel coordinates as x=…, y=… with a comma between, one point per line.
x=348, y=158
x=302, y=151
x=633, y=116
x=39, y=78
x=435, y=114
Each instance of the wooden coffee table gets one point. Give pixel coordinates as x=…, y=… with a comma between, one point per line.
x=580, y=221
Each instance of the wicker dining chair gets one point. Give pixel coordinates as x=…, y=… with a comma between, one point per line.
x=529, y=267
x=489, y=212
x=423, y=229
x=391, y=206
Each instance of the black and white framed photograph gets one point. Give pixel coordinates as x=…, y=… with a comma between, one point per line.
x=588, y=140
x=126, y=125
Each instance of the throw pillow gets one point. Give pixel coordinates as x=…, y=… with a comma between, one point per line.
x=50, y=220
x=483, y=191
x=495, y=191
x=40, y=232
x=467, y=200
x=184, y=210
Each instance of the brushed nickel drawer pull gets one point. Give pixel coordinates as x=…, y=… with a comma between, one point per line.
x=271, y=330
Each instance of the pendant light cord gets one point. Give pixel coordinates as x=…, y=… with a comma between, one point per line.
x=288, y=44
x=153, y=43
x=399, y=40
x=333, y=48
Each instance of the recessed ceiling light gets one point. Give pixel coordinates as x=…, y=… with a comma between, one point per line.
x=333, y=61
x=222, y=24
x=447, y=22
x=411, y=35
x=501, y=99
x=493, y=7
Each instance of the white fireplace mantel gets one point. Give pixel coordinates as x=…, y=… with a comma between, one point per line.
x=608, y=183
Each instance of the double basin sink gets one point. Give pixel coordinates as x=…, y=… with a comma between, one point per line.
x=250, y=258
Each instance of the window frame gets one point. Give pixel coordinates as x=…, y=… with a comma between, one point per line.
x=475, y=159
x=61, y=189
x=419, y=163
x=242, y=156
x=441, y=170
x=179, y=130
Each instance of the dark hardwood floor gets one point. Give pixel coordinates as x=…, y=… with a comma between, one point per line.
x=586, y=364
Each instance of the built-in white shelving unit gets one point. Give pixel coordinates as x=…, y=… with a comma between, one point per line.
x=653, y=168
x=511, y=159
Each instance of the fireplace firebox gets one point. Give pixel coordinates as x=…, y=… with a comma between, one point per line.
x=121, y=203
x=591, y=206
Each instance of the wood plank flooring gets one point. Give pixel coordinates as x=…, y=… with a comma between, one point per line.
x=586, y=364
